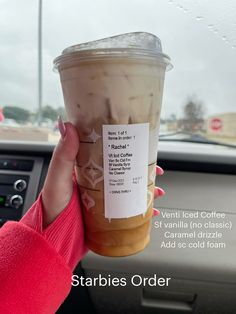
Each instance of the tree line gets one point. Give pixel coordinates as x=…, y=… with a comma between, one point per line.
x=192, y=118
x=21, y=115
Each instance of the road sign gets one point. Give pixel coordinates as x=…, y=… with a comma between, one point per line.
x=216, y=124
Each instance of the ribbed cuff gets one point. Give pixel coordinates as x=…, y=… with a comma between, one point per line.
x=66, y=232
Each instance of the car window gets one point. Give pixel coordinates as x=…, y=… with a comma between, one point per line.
x=199, y=36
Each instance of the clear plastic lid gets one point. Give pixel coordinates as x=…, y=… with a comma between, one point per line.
x=129, y=45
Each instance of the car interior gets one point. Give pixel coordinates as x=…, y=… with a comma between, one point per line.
x=193, y=239
x=202, y=279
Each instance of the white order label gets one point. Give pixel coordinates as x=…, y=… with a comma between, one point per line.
x=125, y=159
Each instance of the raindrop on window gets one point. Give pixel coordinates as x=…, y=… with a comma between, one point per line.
x=199, y=18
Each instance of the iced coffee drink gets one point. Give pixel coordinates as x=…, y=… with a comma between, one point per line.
x=113, y=93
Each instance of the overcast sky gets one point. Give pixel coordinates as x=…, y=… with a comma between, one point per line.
x=199, y=36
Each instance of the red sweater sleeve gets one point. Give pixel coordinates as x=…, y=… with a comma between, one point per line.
x=36, y=264
x=33, y=277
x=66, y=232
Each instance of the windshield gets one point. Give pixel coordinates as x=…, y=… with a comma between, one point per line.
x=200, y=37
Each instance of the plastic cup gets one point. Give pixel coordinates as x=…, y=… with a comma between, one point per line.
x=113, y=94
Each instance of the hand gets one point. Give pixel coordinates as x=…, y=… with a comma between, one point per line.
x=58, y=186
x=158, y=192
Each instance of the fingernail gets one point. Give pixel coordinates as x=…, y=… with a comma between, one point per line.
x=61, y=127
x=161, y=192
x=159, y=170
x=156, y=212
x=158, y=192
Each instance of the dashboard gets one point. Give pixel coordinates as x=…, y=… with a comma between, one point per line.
x=19, y=181
x=200, y=183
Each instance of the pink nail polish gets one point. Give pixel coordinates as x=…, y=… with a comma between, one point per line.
x=159, y=170
x=61, y=127
x=161, y=192
x=156, y=212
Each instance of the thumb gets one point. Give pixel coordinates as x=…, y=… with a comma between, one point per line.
x=58, y=186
